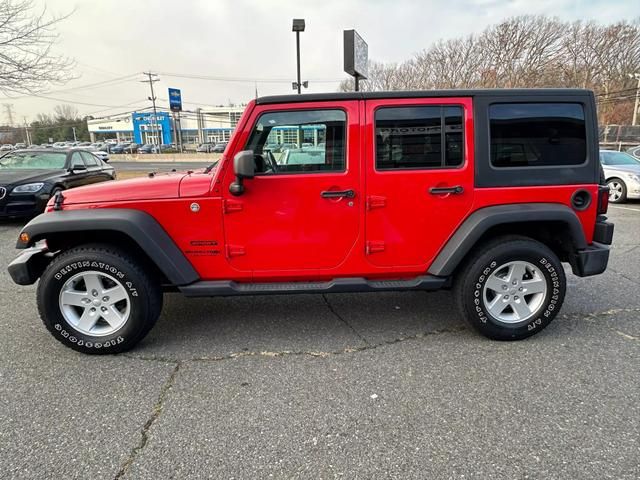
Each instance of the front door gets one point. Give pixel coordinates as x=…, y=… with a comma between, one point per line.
x=419, y=177
x=299, y=214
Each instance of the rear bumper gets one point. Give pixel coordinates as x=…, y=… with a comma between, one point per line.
x=29, y=265
x=592, y=260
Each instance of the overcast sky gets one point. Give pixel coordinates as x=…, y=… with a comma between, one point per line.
x=251, y=40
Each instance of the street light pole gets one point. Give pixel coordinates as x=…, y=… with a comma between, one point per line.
x=155, y=123
x=298, y=26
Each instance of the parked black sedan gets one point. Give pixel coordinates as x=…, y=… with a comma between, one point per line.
x=29, y=178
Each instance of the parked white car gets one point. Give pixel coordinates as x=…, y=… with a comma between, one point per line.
x=622, y=173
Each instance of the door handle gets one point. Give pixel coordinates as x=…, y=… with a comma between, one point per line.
x=338, y=194
x=457, y=190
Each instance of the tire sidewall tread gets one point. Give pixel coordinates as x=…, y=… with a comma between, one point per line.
x=145, y=297
x=484, y=262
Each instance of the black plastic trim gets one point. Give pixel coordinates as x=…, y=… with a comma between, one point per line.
x=27, y=267
x=482, y=220
x=603, y=232
x=141, y=227
x=338, y=285
x=591, y=261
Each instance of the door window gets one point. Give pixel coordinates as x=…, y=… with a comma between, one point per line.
x=89, y=159
x=311, y=141
x=420, y=137
x=76, y=161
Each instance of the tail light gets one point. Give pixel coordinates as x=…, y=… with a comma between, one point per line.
x=603, y=199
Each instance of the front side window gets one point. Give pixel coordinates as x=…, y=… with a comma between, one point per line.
x=537, y=134
x=302, y=141
x=421, y=137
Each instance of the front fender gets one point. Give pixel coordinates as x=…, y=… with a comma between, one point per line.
x=139, y=226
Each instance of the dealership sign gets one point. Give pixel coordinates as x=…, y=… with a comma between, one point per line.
x=356, y=55
x=175, y=100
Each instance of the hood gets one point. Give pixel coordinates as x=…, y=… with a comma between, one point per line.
x=23, y=175
x=159, y=186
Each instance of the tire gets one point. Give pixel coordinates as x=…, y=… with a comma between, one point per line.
x=617, y=190
x=75, y=315
x=534, y=268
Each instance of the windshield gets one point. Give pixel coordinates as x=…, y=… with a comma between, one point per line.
x=618, y=158
x=34, y=160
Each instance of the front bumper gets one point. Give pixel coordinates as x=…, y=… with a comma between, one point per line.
x=23, y=205
x=27, y=267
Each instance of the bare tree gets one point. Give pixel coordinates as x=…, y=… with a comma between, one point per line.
x=65, y=112
x=27, y=62
x=527, y=51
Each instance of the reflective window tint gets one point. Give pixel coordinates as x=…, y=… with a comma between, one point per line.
x=537, y=134
x=419, y=137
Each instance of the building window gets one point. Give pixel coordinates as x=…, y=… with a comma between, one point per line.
x=537, y=134
x=279, y=142
x=421, y=137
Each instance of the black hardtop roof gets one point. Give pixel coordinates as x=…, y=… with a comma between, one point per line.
x=494, y=92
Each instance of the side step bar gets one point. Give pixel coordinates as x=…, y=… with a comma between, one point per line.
x=339, y=285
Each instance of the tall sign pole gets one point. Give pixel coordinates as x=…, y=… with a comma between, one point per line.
x=175, y=105
x=356, y=57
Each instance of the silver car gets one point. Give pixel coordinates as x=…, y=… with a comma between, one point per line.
x=622, y=173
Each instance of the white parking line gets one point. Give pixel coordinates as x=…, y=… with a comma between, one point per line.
x=626, y=208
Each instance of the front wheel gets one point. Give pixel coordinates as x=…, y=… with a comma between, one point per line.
x=96, y=299
x=511, y=289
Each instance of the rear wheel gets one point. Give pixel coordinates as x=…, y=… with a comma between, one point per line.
x=512, y=288
x=617, y=190
x=96, y=299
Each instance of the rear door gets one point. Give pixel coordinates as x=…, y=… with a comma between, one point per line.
x=300, y=213
x=419, y=177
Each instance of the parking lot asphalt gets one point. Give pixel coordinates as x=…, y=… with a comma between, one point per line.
x=386, y=385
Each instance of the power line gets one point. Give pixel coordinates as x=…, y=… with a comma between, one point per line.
x=111, y=82
x=243, y=79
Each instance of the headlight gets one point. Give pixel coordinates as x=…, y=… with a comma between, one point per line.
x=28, y=188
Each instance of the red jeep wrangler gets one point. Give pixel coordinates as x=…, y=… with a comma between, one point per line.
x=485, y=191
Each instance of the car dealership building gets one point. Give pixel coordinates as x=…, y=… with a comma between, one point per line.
x=199, y=126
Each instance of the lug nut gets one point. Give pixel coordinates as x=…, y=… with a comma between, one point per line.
x=516, y=298
x=106, y=299
x=104, y=309
x=520, y=289
x=506, y=297
x=94, y=293
x=93, y=309
x=504, y=287
x=515, y=282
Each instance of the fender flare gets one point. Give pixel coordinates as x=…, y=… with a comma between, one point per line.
x=139, y=226
x=470, y=231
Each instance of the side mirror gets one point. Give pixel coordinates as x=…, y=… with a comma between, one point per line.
x=244, y=166
x=78, y=169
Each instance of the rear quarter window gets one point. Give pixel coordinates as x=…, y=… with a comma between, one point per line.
x=537, y=134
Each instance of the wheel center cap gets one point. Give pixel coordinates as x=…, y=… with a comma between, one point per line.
x=512, y=291
x=97, y=302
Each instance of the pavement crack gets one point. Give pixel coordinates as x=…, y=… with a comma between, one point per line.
x=633, y=280
x=155, y=413
x=321, y=354
x=343, y=320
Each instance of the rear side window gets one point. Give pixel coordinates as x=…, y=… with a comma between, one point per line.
x=421, y=137
x=537, y=134
x=89, y=159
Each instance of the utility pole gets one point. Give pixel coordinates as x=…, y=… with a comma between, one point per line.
x=152, y=79
x=637, y=103
x=75, y=139
x=26, y=132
